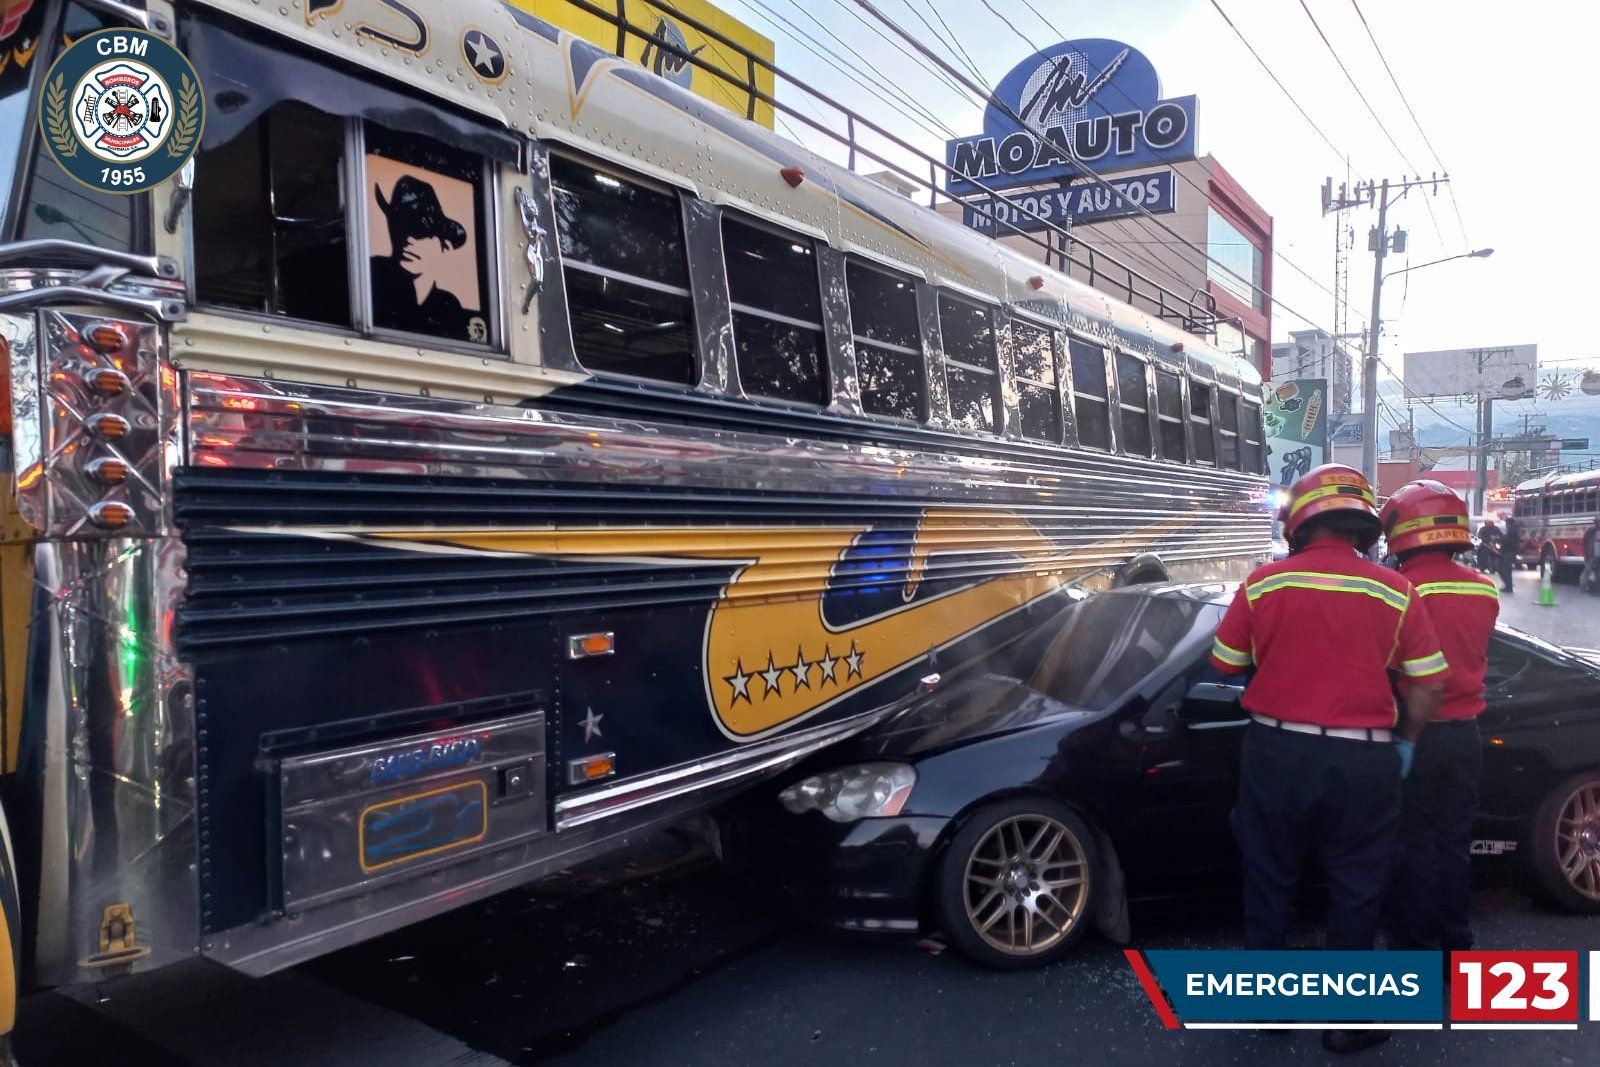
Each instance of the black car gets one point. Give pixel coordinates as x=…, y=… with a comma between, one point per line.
x=1027, y=797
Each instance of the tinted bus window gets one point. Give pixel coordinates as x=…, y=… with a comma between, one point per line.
x=1038, y=399
x=1205, y=449
x=1169, y=416
x=777, y=313
x=269, y=218
x=888, y=342
x=1228, y=429
x=626, y=273
x=1133, y=401
x=971, y=363
x=1254, y=453
x=1089, y=394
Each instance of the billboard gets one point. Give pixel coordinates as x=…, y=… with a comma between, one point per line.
x=1473, y=372
x=1037, y=210
x=1296, y=414
x=1099, y=100
x=655, y=26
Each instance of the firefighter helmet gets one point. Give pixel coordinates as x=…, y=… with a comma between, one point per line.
x=1330, y=489
x=1425, y=514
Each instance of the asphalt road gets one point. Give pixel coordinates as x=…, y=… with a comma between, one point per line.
x=665, y=959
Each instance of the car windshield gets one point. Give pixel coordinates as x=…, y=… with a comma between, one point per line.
x=1115, y=641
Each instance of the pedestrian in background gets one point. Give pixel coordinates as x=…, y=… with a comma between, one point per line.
x=1589, y=581
x=1427, y=908
x=1510, y=545
x=1320, y=773
x=1488, y=560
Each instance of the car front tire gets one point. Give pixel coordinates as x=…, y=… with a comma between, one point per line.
x=1566, y=844
x=1016, y=885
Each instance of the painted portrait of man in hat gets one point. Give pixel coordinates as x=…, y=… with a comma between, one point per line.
x=425, y=264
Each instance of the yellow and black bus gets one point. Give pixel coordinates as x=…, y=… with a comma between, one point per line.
x=490, y=448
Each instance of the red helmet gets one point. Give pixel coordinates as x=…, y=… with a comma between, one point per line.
x=1329, y=488
x=1425, y=514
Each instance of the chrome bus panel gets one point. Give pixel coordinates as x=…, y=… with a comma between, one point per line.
x=54, y=249
x=108, y=755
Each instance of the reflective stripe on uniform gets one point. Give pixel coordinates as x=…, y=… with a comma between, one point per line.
x=1329, y=583
x=1233, y=657
x=1425, y=665
x=1461, y=588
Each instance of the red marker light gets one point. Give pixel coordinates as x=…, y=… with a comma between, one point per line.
x=793, y=175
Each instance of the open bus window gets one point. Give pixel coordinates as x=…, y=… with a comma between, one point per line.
x=888, y=342
x=425, y=208
x=777, y=313
x=1169, y=416
x=627, y=274
x=1090, y=395
x=57, y=205
x=1133, y=402
x=1250, y=431
x=1228, y=429
x=1205, y=448
x=1038, y=399
x=971, y=363
x=269, y=218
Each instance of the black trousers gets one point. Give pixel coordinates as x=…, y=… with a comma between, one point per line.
x=1427, y=905
x=1309, y=803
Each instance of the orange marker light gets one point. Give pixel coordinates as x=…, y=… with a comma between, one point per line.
x=105, y=337
x=111, y=427
x=108, y=470
x=106, y=381
x=580, y=646
x=591, y=768
x=111, y=514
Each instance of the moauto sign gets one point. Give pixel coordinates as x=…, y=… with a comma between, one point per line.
x=1096, y=100
x=1027, y=212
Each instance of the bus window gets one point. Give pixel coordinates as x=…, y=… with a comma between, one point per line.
x=1205, y=449
x=777, y=313
x=269, y=218
x=1169, y=416
x=888, y=343
x=626, y=274
x=426, y=215
x=1038, y=399
x=971, y=363
x=1089, y=394
x=56, y=205
x=1254, y=454
x=1228, y=429
x=1133, y=400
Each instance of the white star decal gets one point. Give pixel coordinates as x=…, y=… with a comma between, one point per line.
x=485, y=56
x=740, y=682
x=591, y=725
x=852, y=662
x=801, y=670
x=773, y=676
x=827, y=663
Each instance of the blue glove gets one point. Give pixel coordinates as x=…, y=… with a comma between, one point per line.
x=1407, y=749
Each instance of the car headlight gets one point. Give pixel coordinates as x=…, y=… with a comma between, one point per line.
x=863, y=791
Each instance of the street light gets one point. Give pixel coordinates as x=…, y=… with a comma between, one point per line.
x=1480, y=253
x=1369, y=368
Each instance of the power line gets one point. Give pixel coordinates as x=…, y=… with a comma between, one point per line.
x=1343, y=156
x=1370, y=109
x=950, y=40
x=1412, y=112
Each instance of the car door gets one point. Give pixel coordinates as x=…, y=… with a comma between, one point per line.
x=1189, y=735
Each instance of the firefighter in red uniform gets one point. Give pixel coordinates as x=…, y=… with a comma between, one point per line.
x=1323, y=759
x=1425, y=524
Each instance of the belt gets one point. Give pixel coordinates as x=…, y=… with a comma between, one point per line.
x=1347, y=733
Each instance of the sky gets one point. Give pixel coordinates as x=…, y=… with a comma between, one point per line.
x=1498, y=89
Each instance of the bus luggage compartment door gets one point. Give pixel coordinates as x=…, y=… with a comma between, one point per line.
x=353, y=818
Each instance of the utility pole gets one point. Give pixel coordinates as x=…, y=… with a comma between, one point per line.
x=1369, y=192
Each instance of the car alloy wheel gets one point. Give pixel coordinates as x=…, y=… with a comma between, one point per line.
x=1565, y=857
x=1016, y=883
x=1026, y=884
x=1578, y=839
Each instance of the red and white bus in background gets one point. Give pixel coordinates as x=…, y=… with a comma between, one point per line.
x=1553, y=512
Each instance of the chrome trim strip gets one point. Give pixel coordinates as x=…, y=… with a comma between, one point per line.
x=92, y=256
x=575, y=810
